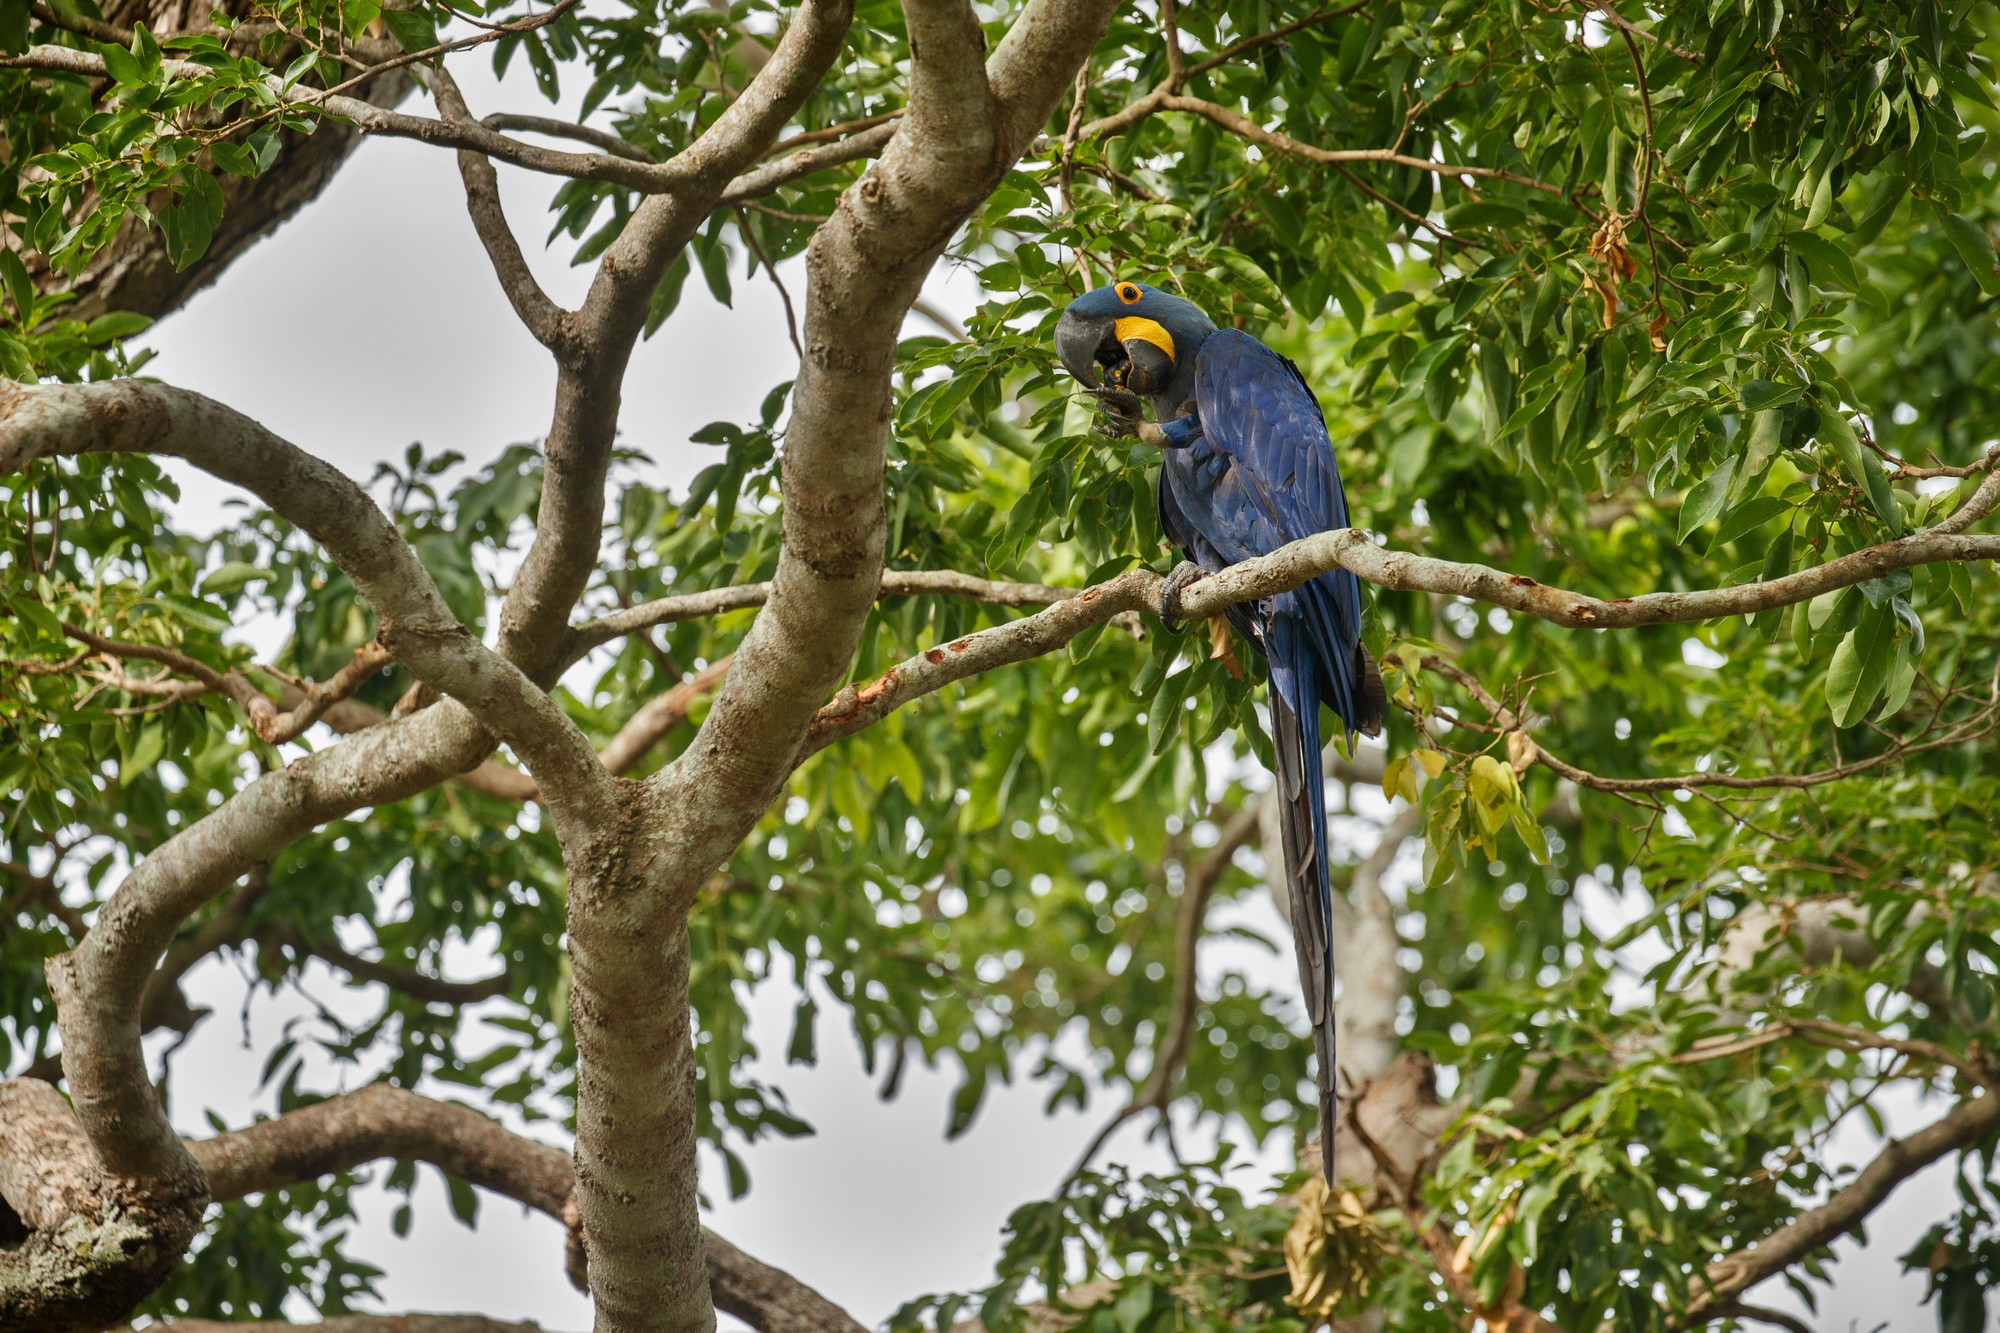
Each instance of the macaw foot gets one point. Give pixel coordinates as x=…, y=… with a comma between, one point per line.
x=1124, y=417
x=1185, y=574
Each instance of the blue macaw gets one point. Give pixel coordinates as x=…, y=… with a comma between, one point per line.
x=1247, y=467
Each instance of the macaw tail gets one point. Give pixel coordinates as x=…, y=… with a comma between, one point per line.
x=1295, y=675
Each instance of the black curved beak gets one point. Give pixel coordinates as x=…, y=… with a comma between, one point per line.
x=1085, y=344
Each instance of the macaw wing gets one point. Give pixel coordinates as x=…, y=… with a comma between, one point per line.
x=1263, y=426
x=1256, y=408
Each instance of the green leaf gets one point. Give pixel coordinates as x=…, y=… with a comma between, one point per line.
x=1860, y=667
x=14, y=25
x=231, y=577
x=1902, y=676
x=19, y=286
x=147, y=749
x=1747, y=517
x=127, y=69
x=1759, y=395
x=413, y=29
x=1974, y=245
x=1862, y=466
x=118, y=324
x=1777, y=564
x=1826, y=260
x=1705, y=501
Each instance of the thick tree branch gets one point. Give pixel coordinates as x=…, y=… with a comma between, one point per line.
x=81, y=1249
x=965, y=126
x=768, y=1299
x=600, y=337
x=44, y=1156
x=1970, y=1121
x=381, y=1121
x=100, y=985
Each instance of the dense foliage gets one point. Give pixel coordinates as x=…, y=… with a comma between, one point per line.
x=1701, y=298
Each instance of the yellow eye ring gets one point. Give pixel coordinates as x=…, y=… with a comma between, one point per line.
x=1129, y=293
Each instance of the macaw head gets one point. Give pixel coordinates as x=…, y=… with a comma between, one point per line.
x=1135, y=337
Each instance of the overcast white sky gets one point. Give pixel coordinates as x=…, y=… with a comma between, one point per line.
x=371, y=321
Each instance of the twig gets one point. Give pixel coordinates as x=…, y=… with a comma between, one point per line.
x=1762, y=1314
x=528, y=24
x=565, y=129
x=1067, y=174
x=1625, y=26
x=1980, y=724
x=1276, y=34
x=791, y=318
x=810, y=137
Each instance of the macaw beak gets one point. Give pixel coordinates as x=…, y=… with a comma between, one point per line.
x=1137, y=362
x=1083, y=344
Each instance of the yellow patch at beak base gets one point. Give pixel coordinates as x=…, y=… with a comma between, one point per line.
x=1144, y=330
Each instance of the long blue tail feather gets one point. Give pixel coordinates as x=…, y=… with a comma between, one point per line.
x=1297, y=679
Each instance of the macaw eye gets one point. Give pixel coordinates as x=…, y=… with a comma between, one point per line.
x=1128, y=293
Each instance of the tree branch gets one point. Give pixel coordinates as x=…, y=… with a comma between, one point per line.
x=855, y=709
x=742, y=597
x=1775, y=1318
x=417, y=985
x=1276, y=34
x=548, y=322
x=565, y=129
x=1969, y=1122
x=966, y=124
x=382, y=1121
x=99, y=986
x=41, y=890
x=1242, y=126
x=1373, y=983
x=94, y=1246
x=1981, y=723
x=658, y=716
x=768, y=1299
x=570, y=518
x=353, y=1323
x=797, y=165
x=414, y=624
x=1825, y=930
x=309, y=704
